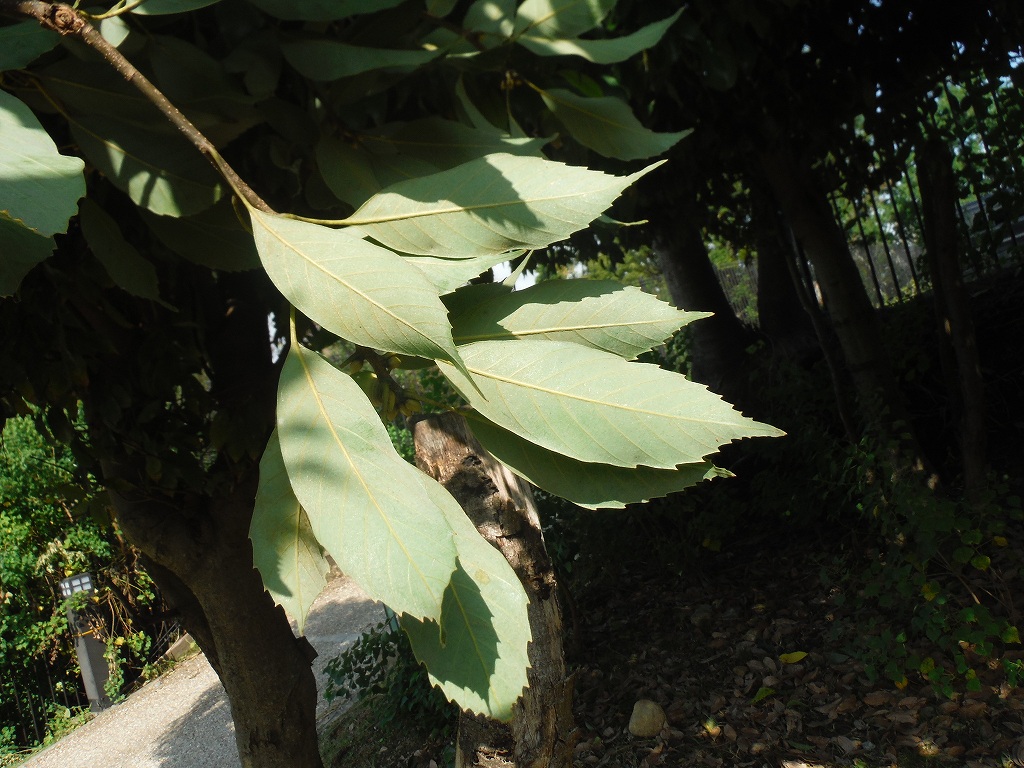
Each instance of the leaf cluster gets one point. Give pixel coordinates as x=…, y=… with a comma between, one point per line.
x=392, y=168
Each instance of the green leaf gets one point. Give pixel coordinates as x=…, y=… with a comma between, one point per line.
x=490, y=205
x=560, y=18
x=478, y=654
x=285, y=551
x=762, y=694
x=20, y=249
x=23, y=43
x=981, y=562
x=358, y=290
x=446, y=143
x=87, y=87
x=448, y=274
x=596, y=313
x=793, y=658
x=474, y=115
x=164, y=174
x=114, y=30
x=195, y=83
x=440, y=8
x=200, y=86
x=408, y=151
x=367, y=506
x=325, y=60
x=592, y=486
x=601, y=51
x=39, y=187
x=122, y=261
x=321, y=10
x=593, y=406
x=963, y=555
x=213, y=238
x=355, y=175
x=491, y=19
x=607, y=125
x=161, y=7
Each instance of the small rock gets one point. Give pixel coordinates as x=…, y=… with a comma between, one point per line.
x=647, y=719
x=702, y=616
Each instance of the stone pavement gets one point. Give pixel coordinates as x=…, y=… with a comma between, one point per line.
x=182, y=719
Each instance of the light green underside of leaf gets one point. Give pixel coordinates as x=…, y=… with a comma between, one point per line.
x=601, y=51
x=482, y=663
x=355, y=175
x=366, y=505
x=607, y=126
x=448, y=274
x=593, y=486
x=163, y=174
x=596, y=313
x=560, y=18
x=491, y=205
x=360, y=291
x=285, y=551
x=39, y=187
x=593, y=406
x=447, y=144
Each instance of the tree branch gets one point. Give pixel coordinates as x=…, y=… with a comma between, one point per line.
x=65, y=20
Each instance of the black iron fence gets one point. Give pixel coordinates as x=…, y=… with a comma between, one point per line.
x=35, y=696
x=45, y=690
x=983, y=120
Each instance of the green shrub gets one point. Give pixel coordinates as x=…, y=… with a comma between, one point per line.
x=381, y=666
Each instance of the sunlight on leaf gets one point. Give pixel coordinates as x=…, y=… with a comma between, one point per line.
x=366, y=504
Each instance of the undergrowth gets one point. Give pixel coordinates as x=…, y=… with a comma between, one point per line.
x=380, y=667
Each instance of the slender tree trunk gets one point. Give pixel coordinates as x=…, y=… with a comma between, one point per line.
x=853, y=318
x=782, y=315
x=956, y=326
x=542, y=733
x=717, y=345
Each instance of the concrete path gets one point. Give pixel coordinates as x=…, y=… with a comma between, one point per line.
x=182, y=720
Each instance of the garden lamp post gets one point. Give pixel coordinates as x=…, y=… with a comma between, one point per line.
x=88, y=647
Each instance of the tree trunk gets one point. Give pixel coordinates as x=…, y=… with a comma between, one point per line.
x=717, y=345
x=195, y=539
x=542, y=733
x=956, y=326
x=853, y=318
x=201, y=559
x=783, y=318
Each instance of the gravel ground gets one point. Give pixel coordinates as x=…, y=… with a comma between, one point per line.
x=182, y=718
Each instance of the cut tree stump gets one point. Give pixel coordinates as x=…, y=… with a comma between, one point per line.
x=542, y=733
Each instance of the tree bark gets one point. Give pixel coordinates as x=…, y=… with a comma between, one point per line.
x=195, y=539
x=783, y=318
x=542, y=733
x=202, y=562
x=717, y=344
x=955, y=324
x=853, y=318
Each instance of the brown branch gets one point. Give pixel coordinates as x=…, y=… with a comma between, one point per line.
x=64, y=20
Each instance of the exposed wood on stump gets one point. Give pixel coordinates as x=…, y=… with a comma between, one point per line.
x=542, y=733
